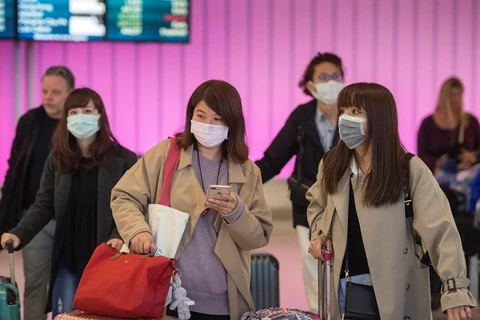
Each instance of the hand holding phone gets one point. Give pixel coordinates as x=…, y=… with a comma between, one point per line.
x=217, y=192
x=222, y=199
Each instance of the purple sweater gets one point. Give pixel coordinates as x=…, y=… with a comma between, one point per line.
x=433, y=142
x=203, y=275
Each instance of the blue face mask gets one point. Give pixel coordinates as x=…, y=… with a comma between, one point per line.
x=83, y=126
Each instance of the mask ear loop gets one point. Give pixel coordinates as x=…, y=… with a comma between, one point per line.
x=362, y=130
x=313, y=93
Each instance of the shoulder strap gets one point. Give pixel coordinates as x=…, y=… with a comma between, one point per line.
x=301, y=151
x=408, y=198
x=461, y=130
x=406, y=187
x=173, y=157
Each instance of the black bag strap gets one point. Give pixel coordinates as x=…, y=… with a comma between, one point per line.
x=301, y=151
x=409, y=215
x=406, y=187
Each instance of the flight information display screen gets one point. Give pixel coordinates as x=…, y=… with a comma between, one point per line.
x=61, y=20
x=7, y=19
x=148, y=20
x=116, y=20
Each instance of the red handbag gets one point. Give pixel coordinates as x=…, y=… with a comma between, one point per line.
x=124, y=285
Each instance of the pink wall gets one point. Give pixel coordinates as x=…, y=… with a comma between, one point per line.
x=7, y=110
x=262, y=47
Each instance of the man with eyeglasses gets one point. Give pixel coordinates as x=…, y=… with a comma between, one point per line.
x=309, y=132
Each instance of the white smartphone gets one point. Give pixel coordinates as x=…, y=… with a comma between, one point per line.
x=217, y=191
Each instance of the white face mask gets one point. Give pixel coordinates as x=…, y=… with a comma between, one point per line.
x=209, y=135
x=327, y=92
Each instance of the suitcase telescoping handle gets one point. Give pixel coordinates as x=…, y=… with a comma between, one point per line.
x=11, y=261
x=324, y=269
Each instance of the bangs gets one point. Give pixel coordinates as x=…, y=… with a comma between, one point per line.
x=350, y=97
x=206, y=95
x=360, y=95
x=213, y=98
x=77, y=100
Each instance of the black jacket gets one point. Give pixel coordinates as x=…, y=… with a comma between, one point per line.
x=52, y=202
x=299, y=131
x=12, y=192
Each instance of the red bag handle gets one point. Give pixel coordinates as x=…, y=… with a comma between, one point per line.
x=173, y=157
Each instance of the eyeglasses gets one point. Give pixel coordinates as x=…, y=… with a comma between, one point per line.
x=326, y=77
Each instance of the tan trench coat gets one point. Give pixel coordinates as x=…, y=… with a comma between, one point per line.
x=400, y=281
x=142, y=184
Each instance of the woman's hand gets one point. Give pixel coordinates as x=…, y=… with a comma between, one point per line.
x=440, y=162
x=317, y=245
x=143, y=243
x=464, y=165
x=467, y=160
x=459, y=313
x=115, y=243
x=468, y=156
x=9, y=236
x=223, y=207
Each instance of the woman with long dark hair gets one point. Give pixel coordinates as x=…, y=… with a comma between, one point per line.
x=85, y=164
x=360, y=211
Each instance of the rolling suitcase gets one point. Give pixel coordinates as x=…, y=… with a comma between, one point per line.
x=9, y=296
x=324, y=283
x=270, y=310
x=264, y=281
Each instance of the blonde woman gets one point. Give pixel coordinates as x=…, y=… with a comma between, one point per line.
x=450, y=132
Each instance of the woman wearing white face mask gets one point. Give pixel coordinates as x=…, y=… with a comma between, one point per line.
x=214, y=254
x=85, y=164
x=309, y=132
x=368, y=205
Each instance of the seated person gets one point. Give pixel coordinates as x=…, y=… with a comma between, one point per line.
x=450, y=137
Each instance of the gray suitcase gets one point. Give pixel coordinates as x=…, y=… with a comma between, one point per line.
x=264, y=281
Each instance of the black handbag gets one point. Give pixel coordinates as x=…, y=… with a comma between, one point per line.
x=298, y=190
x=296, y=183
x=360, y=301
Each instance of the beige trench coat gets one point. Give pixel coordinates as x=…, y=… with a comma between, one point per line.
x=142, y=185
x=400, y=281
